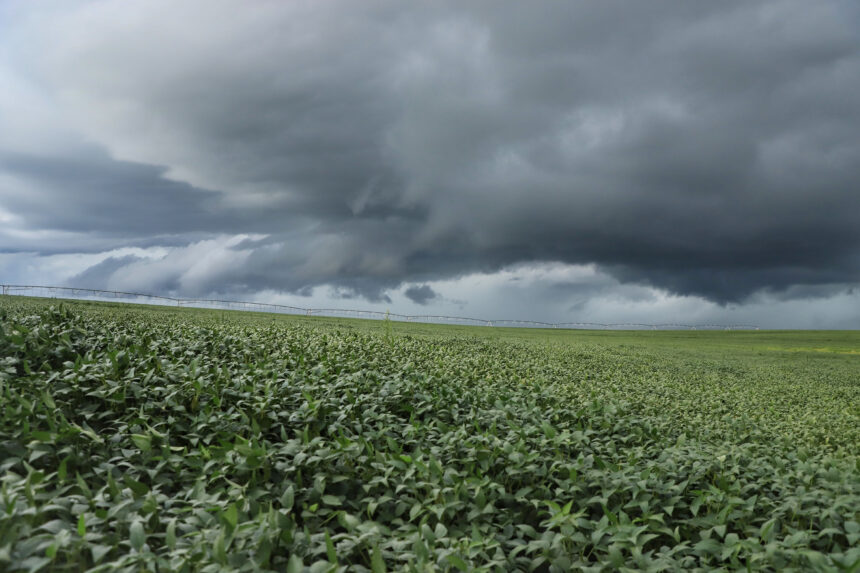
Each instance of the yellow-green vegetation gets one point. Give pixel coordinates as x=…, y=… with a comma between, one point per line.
x=135, y=438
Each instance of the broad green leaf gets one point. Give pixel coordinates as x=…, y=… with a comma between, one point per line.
x=137, y=536
x=377, y=565
x=142, y=441
x=329, y=546
x=288, y=498
x=170, y=535
x=98, y=551
x=457, y=562
x=295, y=564
x=231, y=516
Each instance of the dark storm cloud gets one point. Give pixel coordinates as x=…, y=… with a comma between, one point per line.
x=91, y=192
x=420, y=294
x=705, y=148
x=98, y=275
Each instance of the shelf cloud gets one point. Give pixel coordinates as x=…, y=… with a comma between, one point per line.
x=706, y=150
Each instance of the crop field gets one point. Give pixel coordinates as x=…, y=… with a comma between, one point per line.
x=155, y=439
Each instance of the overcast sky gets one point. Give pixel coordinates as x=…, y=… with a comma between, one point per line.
x=560, y=161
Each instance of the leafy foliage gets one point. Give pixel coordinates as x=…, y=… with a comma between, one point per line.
x=145, y=439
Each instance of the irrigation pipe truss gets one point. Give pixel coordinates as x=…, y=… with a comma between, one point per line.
x=134, y=297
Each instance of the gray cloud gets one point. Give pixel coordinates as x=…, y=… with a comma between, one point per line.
x=92, y=193
x=98, y=276
x=706, y=149
x=422, y=294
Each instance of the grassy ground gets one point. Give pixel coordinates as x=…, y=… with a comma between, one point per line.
x=136, y=437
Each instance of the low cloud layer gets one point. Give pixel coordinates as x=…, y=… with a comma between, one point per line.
x=702, y=150
x=420, y=294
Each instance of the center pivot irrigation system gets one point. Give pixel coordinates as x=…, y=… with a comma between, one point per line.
x=140, y=298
